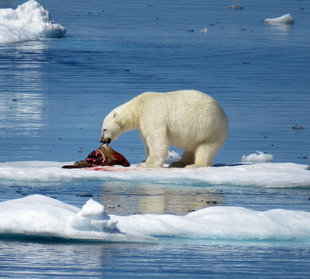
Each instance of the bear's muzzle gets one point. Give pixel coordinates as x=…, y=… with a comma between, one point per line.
x=106, y=140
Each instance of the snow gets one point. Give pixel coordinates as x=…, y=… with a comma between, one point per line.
x=29, y=21
x=41, y=216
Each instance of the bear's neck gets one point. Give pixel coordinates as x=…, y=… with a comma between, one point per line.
x=131, y=118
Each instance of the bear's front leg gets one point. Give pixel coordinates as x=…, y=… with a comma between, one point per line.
x=158, y=147
x=146, y=148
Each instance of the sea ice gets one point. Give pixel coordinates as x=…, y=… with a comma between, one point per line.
x=264, y=174
x=258, y=157
x=93, y=216
x=41, y=216
x=29, y=21
x=222, y=222
x=285, y=19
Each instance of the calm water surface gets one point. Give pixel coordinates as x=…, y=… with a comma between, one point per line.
x=208, y=260
x=55, y=93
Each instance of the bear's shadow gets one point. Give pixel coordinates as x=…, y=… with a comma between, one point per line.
x=229, y=165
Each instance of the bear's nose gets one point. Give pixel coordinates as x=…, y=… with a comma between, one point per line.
x=106, y=140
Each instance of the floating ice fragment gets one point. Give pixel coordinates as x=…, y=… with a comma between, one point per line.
x=235, y=7
x=42, y=216
x=222, y=222
x=29, y=21
x=258, y=157
x=205, y=30
x=285, y=19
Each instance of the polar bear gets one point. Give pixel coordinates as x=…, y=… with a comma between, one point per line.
x=188, y=119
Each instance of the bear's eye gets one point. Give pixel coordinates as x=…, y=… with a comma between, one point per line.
x=104, y=130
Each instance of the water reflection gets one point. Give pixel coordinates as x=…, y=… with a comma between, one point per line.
x=23, y=112
x=22, y=102
x=283, y=29
x=126, y=198
x=35, y=260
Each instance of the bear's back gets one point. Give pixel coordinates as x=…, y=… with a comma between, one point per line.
x=190, y=116
x=179, y=103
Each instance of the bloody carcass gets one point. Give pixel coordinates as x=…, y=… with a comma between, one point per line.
x=103, y=156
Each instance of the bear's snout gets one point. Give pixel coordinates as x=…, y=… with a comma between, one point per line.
x=106, y=140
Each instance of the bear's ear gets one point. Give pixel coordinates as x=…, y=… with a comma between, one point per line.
x=117, y=114
x=118, y=117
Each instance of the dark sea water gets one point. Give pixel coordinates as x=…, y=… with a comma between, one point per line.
x=54, y=94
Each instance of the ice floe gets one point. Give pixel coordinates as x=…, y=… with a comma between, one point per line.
x=44, y=217
x=285, y=19
x=258, y=157
x=41, y=216
x=220, y=222
x=29, y=21
x=263, y=174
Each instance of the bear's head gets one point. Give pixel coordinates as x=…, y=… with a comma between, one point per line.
x=111, y=126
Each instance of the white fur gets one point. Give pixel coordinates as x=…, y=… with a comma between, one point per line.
x=187, y=119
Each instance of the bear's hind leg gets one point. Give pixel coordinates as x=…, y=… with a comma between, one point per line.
x=187, y=159
x=204, y=155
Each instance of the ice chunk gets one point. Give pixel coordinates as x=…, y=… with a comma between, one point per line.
x=258, y=157
x=222, y=222
x=93, y=217
x=92, y=208
x=29, y=21
x=41, y=216
x=285, y=19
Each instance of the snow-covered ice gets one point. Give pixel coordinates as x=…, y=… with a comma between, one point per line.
x=41, y=216
x=29, y=21
x=265, y=174
x=220, y=222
